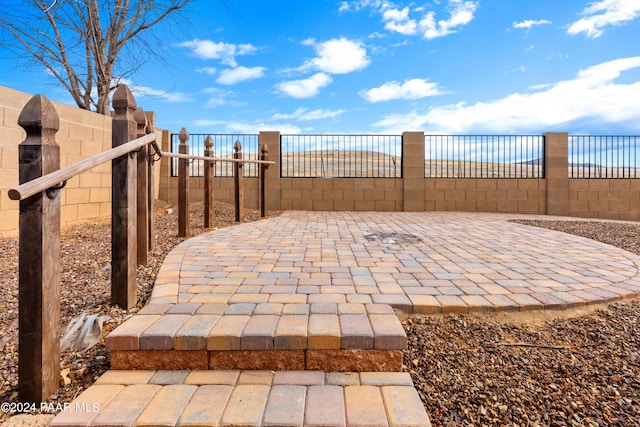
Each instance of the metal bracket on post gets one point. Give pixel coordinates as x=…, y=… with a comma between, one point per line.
x=52, y=192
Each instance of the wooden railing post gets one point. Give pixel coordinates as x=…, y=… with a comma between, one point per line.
x=209, y=167
x=39, y=256
x=151, y=192
x=183, y=185
x=142, y=191
x=264, y=155
x=238, y=178
x=123, y=203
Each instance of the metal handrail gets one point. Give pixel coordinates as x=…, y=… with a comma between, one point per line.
x=52, y=179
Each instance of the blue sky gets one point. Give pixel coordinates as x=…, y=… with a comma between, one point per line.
x=377, y=66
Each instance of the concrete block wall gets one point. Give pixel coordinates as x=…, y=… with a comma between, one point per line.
x=555, y=194
x=341, y=194
x=485, y=195
x=82, y=134
x=222, y=190
x=605, y=198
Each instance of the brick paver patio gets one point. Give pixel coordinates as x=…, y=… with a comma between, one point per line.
x=415, y=262
x=316, y=292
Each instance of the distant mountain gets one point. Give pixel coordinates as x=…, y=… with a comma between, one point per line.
x=585, y=165
x=534, y=162
x=539, y=162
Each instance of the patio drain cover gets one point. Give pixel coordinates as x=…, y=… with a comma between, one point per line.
x=390, y=237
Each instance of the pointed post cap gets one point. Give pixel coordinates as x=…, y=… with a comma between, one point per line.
x=183, y=136
x=140, y=117
x=237, y=147
x=141, y=121
x=123, y=98
x=208, y=142
x=264, y=149
x=39, y=117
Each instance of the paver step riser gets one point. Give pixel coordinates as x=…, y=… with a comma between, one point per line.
x=358, y=327
x=257, y=398
x=276, y=360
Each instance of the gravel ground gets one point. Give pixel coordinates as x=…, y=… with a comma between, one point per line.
x=576, y=367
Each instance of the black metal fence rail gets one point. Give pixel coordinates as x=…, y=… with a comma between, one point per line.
x=594, y=156
x=341, y=156
x=484, y=156
x=222, y=147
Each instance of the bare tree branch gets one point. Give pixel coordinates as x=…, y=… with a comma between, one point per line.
x=80, y=48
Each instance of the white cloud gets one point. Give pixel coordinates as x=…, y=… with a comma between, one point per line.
x=222, y=126
x=410, y=89
x=284, y=128
x=304, y=114
x=399, y=20
x=239, y=74
x=304, y=88
x=159, y=94
x=592, y=95
x=207, y=70
x=218, y=97
x=554, y=56
x=603, y=13
x=529, y=23
x=337, y=56
x=206, y=123
x=357, y=5
x=520, y=69
x=461, y=13
x=225, y=52
x=376, y=35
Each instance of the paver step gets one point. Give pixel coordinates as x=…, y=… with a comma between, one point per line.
x=247, y=398
x=326, y=336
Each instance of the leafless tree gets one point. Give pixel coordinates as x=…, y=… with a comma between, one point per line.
x=87, y=45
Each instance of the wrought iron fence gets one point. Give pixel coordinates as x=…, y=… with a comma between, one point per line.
x=222, y=147
x=604, y=156
x=484, y=156
x=341, y=156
